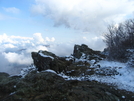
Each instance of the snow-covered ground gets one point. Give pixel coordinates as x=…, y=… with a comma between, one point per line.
x=124, y=80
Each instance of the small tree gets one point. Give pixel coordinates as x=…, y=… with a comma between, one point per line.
x=119, y=39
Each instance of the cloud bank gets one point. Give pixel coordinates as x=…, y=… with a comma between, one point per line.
x=15, y=51
x=86, y=15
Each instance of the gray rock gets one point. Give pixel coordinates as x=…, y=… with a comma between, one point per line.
x=80, y=50
x=44, y=60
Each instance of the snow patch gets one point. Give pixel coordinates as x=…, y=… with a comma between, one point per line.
x=27, y=70
x=49, y=70
x=123, y=97
x=43, y=55
x=68, y=58
x=12, y=93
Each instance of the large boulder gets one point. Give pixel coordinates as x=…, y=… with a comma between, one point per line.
x=44, y=60
x=83, y=51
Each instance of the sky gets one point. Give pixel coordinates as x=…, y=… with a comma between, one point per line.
x=31, y=25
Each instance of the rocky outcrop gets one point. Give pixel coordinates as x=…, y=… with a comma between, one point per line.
x=84, y=50
x=82, y=62
x=44, y=60
x=48, y=86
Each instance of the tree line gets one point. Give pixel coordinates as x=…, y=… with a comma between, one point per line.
x=119, y=39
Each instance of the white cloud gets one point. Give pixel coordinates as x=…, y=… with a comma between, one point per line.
x=52, y=39
x=11, y=68
x=38, y=38
x=12, y=10
x=3, y=63
x=62, y=49
x=87, y=15
x=4, y=38
x=18, y=58
x=9, y=45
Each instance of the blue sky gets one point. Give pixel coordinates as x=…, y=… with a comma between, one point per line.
x=65, y=20
x=24, y=23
